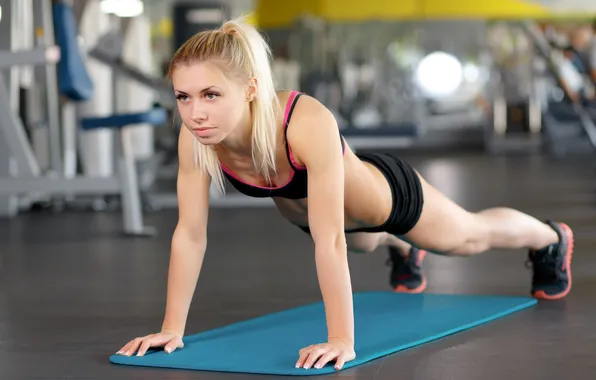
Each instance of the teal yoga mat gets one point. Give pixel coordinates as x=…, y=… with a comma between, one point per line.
x=385, y=323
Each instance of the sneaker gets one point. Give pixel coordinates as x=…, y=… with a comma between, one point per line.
x=551, y=265
x=406, y=273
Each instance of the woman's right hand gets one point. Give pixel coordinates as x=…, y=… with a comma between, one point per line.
x=168, y=339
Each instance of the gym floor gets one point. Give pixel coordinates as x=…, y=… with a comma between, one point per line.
x=73, y=291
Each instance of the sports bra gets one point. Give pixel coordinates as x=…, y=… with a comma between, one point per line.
x=297, y=185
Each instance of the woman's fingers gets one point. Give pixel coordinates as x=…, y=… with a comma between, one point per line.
x=173, y=345
x=327, y=357
x=170, y=342
x=130, y=348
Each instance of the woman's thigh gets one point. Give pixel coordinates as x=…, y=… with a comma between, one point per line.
x=443, y=225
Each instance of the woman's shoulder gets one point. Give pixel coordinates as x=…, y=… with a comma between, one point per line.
x=309, y=119
x=306, y=107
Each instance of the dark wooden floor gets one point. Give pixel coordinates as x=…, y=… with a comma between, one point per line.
x=72, y=291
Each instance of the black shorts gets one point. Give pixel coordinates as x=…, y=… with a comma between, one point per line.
x=407, y=194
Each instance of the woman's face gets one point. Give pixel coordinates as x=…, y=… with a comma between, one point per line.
x=211, y=105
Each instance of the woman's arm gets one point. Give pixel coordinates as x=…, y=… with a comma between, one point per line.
x=315, y=141
x=189, y=240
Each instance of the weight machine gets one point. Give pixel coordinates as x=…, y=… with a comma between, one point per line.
x=22, y=180
x=568, y=123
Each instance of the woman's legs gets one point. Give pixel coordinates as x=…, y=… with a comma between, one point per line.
x=446, y=228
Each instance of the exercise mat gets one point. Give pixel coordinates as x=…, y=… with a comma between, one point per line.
x=385, y=322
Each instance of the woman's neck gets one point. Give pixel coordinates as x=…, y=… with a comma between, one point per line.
x=239, y=142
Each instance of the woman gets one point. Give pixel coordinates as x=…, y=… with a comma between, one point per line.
x=287, y=146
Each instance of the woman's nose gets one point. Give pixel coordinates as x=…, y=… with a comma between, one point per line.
x=198, y=114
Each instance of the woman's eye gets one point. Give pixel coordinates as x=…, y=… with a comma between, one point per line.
x=211, y=95
x=182, y=98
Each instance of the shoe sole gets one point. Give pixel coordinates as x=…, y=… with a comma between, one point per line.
x=404, y=289
x=541, y=294
x=420, y=288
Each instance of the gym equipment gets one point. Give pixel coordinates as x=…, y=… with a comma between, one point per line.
x=568, y=125
x=102, y=54
x=76, y=86
x=355, y=84
x=385, y=322
x=190, y=18
x=514, y=121
x=75, y=82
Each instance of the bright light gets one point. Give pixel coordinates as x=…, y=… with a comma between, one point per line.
x=439, y=74
x=471, y=72
x=122, y=8
x=0, y=13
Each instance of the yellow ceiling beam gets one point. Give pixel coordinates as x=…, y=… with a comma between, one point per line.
x=488, y=9
x=278, y=13
x=361, y=10
x=282, y=13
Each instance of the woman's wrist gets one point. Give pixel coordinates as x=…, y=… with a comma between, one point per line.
x=179, y=332
x=345, y=340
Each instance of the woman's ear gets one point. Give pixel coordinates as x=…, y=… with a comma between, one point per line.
x=251, y=92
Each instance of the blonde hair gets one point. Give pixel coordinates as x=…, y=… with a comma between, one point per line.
x=242, y=54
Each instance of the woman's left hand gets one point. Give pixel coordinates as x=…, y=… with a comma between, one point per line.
x=319, y=355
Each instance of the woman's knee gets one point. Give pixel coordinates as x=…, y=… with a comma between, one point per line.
x=455, y=238
x=456, y=247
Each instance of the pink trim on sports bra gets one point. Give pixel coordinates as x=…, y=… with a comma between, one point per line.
x=288, y=108
x=231, y=173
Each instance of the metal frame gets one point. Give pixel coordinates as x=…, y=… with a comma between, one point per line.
x=544, y=49
x=8, y=204
x=44, y=18
x=59, y=185
x=28, y=178
x=37, y=56
x=13, y=131
x=31, y=181
x=159, y=86
x=497, y=138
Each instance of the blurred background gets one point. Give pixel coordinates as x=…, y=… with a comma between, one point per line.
x=87, y=119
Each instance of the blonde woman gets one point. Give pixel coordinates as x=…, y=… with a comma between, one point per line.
x=287, y=146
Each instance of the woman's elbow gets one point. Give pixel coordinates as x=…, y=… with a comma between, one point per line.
x=334, y=242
